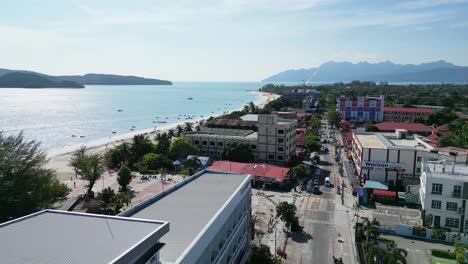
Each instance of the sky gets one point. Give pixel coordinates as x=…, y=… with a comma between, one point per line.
x=225, y=40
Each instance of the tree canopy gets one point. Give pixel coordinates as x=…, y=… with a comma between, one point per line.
x=124, y=177
x=26, y=185
x=88, y=166
x=181, y=147
x=151, y=163
x=236, y=151
x=287, y=213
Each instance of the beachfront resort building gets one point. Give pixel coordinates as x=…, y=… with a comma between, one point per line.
x=405, y=114
x=361, y=108
x=396, y=157
x=443, y=194
x=298, y=95
x=204, y=219
x=271, y=139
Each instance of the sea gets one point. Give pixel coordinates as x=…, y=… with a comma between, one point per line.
x=61, y=118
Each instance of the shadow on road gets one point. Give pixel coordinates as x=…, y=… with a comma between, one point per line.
x=300, y=237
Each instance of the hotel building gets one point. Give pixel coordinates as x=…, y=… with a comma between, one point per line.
x=361, y=108
x=403, y=114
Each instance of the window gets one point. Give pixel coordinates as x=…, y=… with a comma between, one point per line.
x=212, y=143
x=436, y=188
x=457, y=191
x=271, y=156
x=436, y=204
x=197, y=142
x=418, y=159
x=280, y=131
x=220, y=144
x=280, y=140
x=418, y=170
x=280, y=149
x=280, y=157
x=451, y=206
x=204, y=142
x=452, y=222
x=253, y=146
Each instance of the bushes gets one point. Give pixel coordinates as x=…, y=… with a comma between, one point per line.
x=443, y=254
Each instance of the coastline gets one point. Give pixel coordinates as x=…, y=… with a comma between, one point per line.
x=58, y=158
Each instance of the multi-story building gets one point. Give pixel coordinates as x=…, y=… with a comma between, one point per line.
x=405, y=114
x=271, y=140
x=412, y=128
x=361, y=108
x=208, y=214
x=310, y=104
x=434, y=108
x=298, y=95
x=444, y=195
x=395, y=157
x=209, y=217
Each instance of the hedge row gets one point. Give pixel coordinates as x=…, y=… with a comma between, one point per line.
x=443, y=254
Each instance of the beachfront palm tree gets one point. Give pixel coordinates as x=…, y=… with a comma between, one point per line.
x=188, y=127
x=171, y=133
x=179, y=130
x=252, y=107
x=192, y=164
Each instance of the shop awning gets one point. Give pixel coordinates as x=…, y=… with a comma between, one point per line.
x=375, y=185
x=384, y=193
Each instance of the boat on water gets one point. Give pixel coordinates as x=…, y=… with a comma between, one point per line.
x=162, y=122
x=119, y=110
x=113, y=132
x=190, y=98
x=133, y=126
x=82, y=136
x=73, y=135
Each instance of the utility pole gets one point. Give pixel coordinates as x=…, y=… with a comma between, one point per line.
x=342, y=192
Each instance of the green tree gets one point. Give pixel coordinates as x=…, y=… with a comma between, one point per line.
x=333, y=117
x=76, y=158
x=370, y=231
x=262, y=255
x=182, y=147
x=375, y=254
x=163, y=144
x=179, y=130
x=90, y=167
x=311, y=142
x=105, y=199
x=287, y=213
x=141, y=146
x=151, y=162
x=26, y=185
x=192, y=164
x=299, y=171
x=314, y=121
x=118, y=201
x=188, y=127
x=124, y=177
x=119, y=155
x=235, y=151
x=395, y=255
x=370, y=127
x=171, y=133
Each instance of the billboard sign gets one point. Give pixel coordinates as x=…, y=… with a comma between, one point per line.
x=382, y=165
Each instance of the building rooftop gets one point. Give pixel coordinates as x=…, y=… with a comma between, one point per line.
x=391, y=141
x=190, y=208
x=278, y=173
x=248, y=136
x=233, y=123
x=57, y=237
x=413, y=127
x=446, y=169
x=408, y=110
x=369, y=141
x=250, y=117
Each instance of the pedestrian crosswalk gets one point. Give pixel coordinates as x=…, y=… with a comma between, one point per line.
x=315, y=199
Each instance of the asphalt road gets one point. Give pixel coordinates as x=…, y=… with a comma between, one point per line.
x=322, y=228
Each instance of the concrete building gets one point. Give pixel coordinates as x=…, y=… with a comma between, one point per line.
x=443, y=195
x=434, y=108
x=272, y=142
x=412, y=128
x=361, y=108
x=208, y=213
x=57, y=237
x=298, y=95
x=310, y=104
x=209, y=216
x=405, y=114
x=395, y=157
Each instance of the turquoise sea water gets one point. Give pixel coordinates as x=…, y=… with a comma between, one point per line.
x=52, y=116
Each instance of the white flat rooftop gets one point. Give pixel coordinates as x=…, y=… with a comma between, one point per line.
x=369, y=141
x=460, y=172
x=191, y=208
x=57, y=237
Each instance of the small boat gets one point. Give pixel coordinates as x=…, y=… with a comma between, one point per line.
x=119, y=110
x=154, y=122
x=167, y=117
x=82, y=136
x=132, y=129
x=162, y=122
x=190, y=98
x=133, y=126
x=73, y=136
x=178, y=118
x=113, y=132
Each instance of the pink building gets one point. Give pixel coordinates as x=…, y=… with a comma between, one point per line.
x=361, y=108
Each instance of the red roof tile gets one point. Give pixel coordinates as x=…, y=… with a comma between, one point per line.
x=432, y=137
x=279, y=173
x=407, y=109
x=391, y=126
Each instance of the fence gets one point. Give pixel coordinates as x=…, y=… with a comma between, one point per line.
x=423, y=233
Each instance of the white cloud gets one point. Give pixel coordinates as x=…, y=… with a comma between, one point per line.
x=420, y=4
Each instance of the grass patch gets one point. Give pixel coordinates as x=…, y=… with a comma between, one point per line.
x=437, y=260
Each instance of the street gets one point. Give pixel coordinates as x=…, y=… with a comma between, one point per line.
x=327, y=224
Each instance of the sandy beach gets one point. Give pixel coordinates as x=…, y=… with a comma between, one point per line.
x=58, y=158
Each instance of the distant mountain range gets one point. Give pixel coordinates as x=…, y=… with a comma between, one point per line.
x=30, y=79
x=437, y=71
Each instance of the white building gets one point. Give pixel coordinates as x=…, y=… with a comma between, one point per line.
x=395, y=157
x=271, y=140
x=443, y=195
x=209, y=218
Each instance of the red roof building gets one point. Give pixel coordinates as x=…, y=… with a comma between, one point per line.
x=416, y=128
x=268, y=172
x=404, y=114
x=444, y=130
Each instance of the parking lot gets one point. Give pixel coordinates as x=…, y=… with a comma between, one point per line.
x=389, y=216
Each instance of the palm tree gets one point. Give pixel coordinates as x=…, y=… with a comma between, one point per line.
x=179, y=130
x=395, y=255
x=192, y=164
x=369, y=230
x=375, y=254
x=188, y=127
x=171, y=133
x=252, y=107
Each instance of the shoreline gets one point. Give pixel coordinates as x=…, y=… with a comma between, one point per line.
x=58, y=158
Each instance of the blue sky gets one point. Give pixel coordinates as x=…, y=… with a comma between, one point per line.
x=225, y=40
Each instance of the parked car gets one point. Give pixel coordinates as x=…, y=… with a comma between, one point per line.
x=327, y=181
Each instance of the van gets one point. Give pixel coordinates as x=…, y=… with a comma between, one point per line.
x=327, y=181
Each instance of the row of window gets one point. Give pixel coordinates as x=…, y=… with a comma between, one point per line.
x=437, y=188
x=450, y=206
